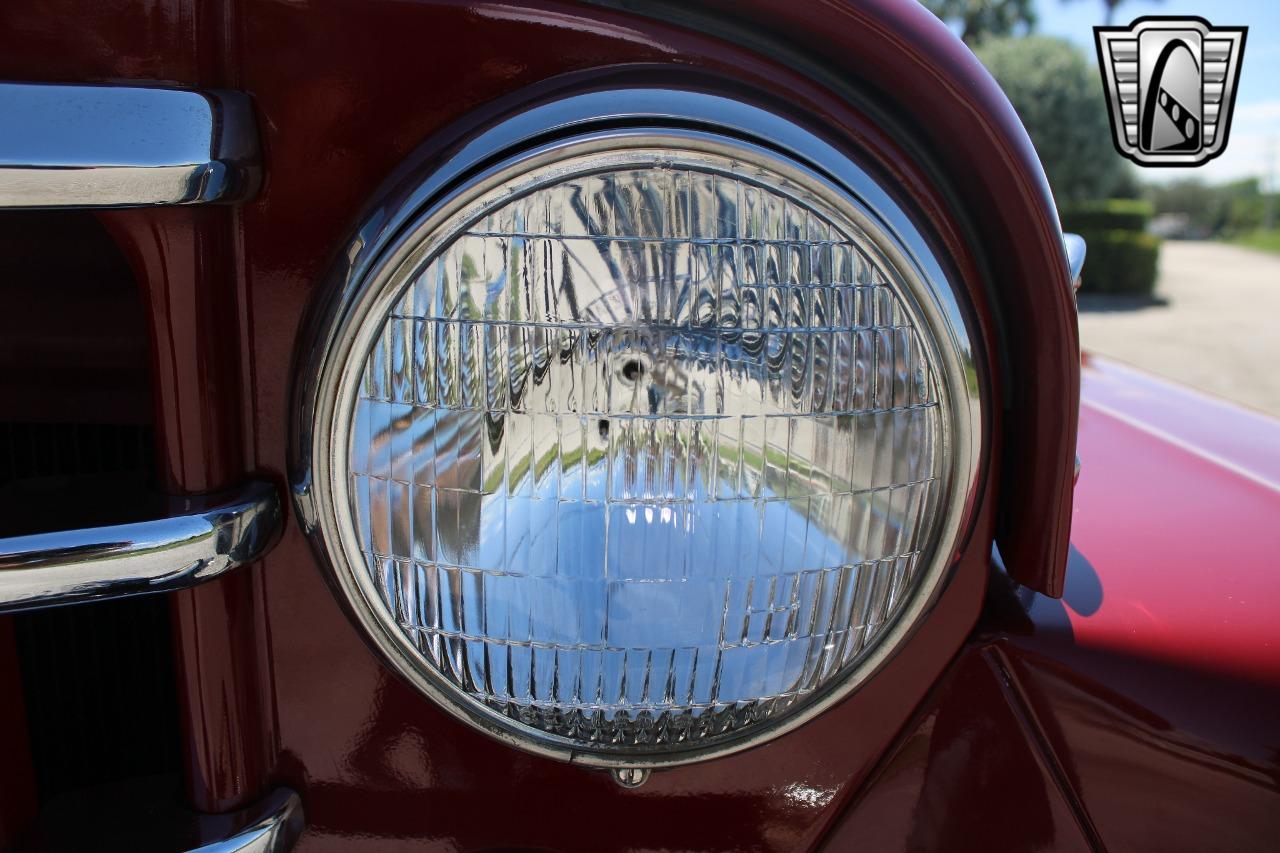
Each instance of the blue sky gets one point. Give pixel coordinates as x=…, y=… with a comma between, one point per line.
x=1255, y=129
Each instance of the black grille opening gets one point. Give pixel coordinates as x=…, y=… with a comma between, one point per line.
x=97, y=679
x=100, y=694
x=77, y=449
x=58, y=476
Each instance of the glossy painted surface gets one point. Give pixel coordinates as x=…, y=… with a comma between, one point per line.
x=69, y=41
x=1192, y=575
x=1243, y=440
x=1138, y=712
x=1143, y=703
x=183, y=261
x=971, y=746
x=345, y=93
x=1157, y=677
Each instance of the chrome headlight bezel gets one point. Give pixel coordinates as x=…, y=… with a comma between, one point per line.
x=502, y=163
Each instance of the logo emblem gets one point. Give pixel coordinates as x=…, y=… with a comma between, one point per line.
x=1171, y=87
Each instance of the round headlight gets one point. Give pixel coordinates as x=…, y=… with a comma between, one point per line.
x=642, y=446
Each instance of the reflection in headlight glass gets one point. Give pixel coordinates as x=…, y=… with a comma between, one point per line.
x=647, y=456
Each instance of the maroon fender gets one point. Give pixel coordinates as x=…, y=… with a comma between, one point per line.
x=1139, y=711
x=277, y=686
x=1157, y=677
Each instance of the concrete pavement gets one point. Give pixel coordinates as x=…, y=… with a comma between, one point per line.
x=1215, y=325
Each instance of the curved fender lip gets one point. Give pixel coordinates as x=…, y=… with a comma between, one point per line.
x=922, y=85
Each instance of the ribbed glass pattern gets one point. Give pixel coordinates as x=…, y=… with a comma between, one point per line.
x=645, y=457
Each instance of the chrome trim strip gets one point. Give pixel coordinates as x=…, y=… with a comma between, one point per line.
x=124, y=146
x=403, y=225
x=271, y=826
x=1075, y=247
x=212, y=535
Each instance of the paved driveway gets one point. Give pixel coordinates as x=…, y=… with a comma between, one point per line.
x=1218, y=328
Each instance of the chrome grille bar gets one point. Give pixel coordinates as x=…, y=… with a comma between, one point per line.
x=211, y=537
x=124, y=146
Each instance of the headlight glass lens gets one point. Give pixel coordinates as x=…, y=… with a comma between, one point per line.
x=645, y=453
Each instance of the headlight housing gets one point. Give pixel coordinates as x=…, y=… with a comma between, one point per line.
x=643, y=445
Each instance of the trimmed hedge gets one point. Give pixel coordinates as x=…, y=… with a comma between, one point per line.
x=1122, y=258
x=1120, y=262
x=1117, y=214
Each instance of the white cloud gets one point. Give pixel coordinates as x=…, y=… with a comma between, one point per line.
x=1259, y=112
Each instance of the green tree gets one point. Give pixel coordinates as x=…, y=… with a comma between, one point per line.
x=1058, y=95
x=980, y=19
x=1218, y=210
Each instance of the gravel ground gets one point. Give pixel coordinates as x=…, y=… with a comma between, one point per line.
x=1214, y=325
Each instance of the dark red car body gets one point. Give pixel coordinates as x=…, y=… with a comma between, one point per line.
x=1117, y=689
